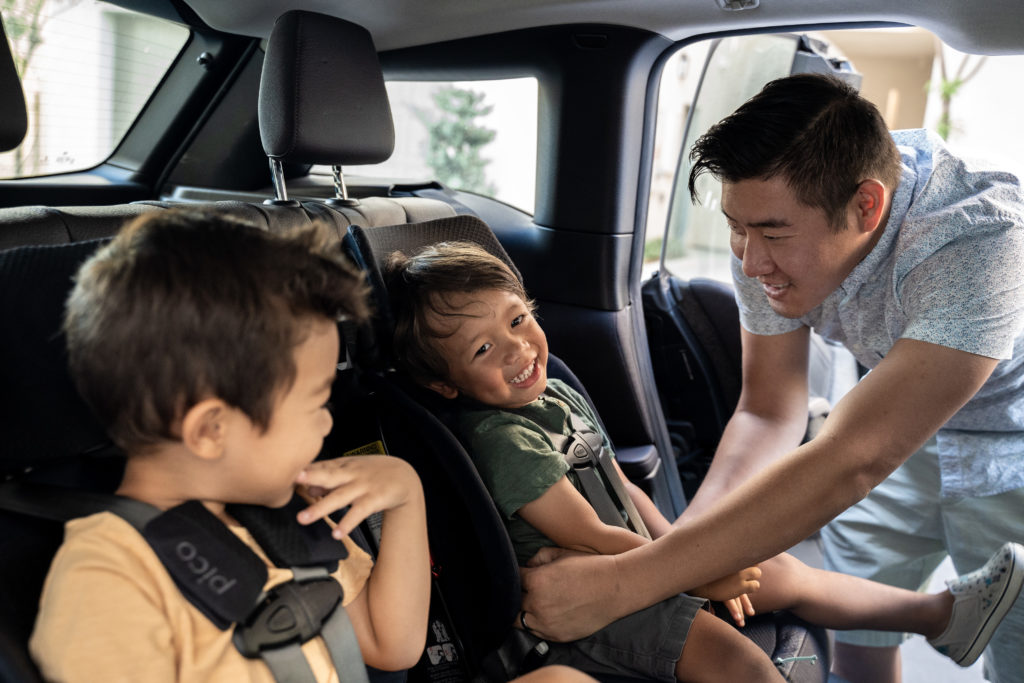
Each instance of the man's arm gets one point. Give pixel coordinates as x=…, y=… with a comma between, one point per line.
x=876, y=427
x=770, y=418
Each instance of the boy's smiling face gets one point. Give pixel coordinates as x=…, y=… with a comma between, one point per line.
x=495, y=349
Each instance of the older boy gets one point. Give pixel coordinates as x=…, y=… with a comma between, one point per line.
x=208, y=348
x=465, y=329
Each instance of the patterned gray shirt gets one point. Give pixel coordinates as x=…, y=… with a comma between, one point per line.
x=949, y=270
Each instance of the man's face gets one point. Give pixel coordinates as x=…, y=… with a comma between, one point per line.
x=790, y=247
x=495, y=350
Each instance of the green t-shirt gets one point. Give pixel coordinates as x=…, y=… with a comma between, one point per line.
x=516, y=459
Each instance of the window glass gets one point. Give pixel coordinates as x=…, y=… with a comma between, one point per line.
x=478, y=136
x=87, y=68
x=914, y=80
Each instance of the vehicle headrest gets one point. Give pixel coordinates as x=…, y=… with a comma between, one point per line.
x=13, y=116
x=370, y=248
x=322, y=96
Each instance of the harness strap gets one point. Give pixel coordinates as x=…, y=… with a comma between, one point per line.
x=584, y=451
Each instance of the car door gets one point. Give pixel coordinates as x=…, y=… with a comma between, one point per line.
x=689, y=309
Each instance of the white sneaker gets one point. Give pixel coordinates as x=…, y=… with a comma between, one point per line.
x=981, y=600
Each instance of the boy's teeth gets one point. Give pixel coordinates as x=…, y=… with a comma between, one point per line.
x=521, y=377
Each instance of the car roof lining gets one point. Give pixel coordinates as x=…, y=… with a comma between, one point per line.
x=991, y=27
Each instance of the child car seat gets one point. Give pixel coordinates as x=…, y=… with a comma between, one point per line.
x=799, y=650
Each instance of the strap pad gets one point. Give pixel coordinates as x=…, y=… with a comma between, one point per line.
x=211, y=566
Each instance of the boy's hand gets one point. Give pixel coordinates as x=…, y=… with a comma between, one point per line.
x=734, y=592
x=365, y=483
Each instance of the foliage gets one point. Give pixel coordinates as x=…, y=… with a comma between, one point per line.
x=949, y=86
x=456, y=139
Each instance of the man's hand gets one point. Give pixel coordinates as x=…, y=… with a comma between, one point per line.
x=568, y=595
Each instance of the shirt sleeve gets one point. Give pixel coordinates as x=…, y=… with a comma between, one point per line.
x=516, y=461
x=969, y=295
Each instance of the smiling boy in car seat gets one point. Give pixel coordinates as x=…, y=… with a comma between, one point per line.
x=207, y=348
x=465, y=329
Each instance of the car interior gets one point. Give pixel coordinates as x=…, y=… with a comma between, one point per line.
x=259, y=112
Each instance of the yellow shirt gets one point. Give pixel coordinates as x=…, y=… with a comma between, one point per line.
x=110, y=612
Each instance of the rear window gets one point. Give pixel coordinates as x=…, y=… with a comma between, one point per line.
x=87, y=69
x=476, y=136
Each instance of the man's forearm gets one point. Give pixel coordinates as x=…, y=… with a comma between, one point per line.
x=866, y=437
x=746, y=526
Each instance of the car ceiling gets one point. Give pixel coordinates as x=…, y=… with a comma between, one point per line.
x=982, y=26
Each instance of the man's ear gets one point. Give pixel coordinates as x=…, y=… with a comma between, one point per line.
x=204, y=428
x=870, y=205
x=443, y=388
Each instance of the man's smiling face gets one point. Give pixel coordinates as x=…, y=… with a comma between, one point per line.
x=791, y=248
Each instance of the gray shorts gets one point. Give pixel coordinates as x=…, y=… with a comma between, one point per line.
x=904, y=529
x=645, y=644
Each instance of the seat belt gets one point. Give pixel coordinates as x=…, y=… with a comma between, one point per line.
x=584, y=451
x=223, y=578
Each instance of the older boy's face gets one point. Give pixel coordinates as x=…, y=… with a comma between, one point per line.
x=266, y=463
x=788, y=246
x=496, y=352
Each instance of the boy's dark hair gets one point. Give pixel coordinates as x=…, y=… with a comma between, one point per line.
x=814, y=131
x=183, y=305
x=423, y=284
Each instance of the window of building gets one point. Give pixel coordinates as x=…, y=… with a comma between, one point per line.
x=87, y=69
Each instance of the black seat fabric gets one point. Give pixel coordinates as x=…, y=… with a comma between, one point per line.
x=45, y=429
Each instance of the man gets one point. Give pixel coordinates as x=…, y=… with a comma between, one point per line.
x=910, y=257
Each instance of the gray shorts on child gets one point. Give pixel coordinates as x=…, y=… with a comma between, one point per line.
x=645, y=644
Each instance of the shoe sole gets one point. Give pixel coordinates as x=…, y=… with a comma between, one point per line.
x=1006, y=600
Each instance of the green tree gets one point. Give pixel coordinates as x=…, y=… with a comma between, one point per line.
x=949, y=86
x=456, y=139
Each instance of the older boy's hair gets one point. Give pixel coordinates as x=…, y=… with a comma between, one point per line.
x=183, y=305
x=422, y=285
x=814, y=131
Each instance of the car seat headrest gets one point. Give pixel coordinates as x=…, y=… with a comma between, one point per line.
x=44, y=419
x=13, y=116
x=322, y=96
x=370, y=248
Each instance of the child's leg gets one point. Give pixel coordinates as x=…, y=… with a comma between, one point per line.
x=838, y=601
x=715, y=652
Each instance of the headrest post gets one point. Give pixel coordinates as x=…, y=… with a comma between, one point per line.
x=340, y=191
x=340, y=197
x=277, y=178
x=280, y=191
